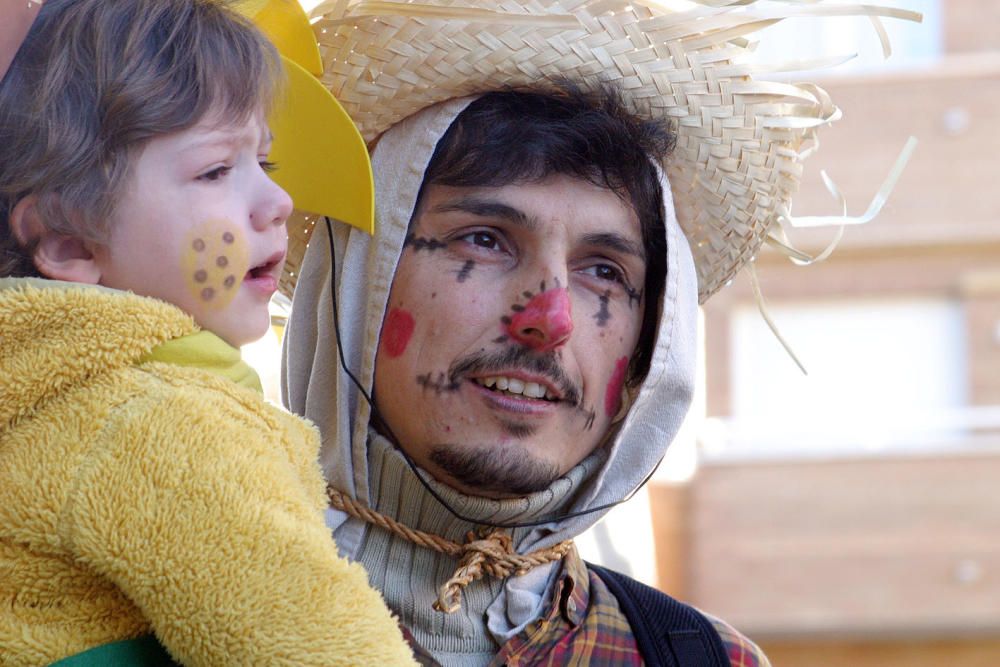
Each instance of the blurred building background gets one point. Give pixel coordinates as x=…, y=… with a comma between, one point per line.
x=852, y=516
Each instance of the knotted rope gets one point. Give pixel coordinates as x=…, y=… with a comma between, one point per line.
x=489, y=553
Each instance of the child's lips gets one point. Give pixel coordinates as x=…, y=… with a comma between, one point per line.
x=264, y=277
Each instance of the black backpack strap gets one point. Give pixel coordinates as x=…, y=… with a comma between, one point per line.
x=669, y=633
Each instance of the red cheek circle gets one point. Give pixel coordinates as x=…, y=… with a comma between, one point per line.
x=613, y=394
x=396, y=332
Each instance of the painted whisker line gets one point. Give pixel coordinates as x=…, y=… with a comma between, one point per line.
x=419, y=243
x=633, y=295
x=603, y=315
x=466, y=271
x=590, y=416
x=441, y=385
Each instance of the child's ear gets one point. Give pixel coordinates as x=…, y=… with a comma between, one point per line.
x=56, y=256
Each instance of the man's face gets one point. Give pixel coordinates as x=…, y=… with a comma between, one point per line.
x=511, y=320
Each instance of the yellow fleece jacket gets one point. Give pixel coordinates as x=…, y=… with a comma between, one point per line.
x=138, y=497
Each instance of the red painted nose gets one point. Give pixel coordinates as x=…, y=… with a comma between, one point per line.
x=545, y=323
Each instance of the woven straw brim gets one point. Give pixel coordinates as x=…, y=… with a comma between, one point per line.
x=300, y=228
x=740, y=142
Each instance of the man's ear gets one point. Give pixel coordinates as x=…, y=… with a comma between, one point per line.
x=56, y=256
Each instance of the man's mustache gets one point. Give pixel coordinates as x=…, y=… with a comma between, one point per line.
x=540, y=363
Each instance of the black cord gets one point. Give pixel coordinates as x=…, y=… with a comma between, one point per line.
x=413, y=466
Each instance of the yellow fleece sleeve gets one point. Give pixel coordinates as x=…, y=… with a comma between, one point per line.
x=194, y=511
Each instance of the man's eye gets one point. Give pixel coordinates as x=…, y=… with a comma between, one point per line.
x=608, y=272
x=268, y=166
x=214, y=174
x=483, y=240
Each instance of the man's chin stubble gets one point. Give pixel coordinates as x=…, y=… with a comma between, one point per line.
x=491, y=471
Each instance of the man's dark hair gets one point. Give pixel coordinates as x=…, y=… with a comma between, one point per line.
x=586, y=132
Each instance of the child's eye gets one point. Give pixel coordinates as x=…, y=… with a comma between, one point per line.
x=268, y=166
x=215, y=174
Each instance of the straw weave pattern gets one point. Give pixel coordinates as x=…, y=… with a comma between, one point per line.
x=740, y=141
x=734, y=170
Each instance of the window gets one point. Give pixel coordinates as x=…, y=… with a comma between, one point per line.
x=882, y=375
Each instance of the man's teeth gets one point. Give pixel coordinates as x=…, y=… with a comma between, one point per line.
x=519, y=387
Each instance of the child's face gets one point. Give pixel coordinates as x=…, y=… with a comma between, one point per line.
x=202, y=226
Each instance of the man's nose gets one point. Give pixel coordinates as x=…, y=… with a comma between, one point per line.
x=545, y=323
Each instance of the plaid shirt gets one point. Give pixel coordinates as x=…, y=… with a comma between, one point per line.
x=586, y=626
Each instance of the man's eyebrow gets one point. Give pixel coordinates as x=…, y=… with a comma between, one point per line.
x=487, y=208
x=616, y=242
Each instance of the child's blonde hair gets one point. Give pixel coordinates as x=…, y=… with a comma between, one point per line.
x=97, y=79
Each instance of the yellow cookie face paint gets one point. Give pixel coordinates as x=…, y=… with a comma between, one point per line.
x=214, y=262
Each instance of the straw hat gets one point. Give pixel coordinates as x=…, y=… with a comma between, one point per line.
x=740, y=143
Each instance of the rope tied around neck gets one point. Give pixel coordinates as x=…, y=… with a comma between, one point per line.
x=491, y=552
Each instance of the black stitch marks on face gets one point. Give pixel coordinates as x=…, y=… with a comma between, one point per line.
x=440, y=385
x=418, y=243
x=634, y=295
x=603, y=315
x=466, y=271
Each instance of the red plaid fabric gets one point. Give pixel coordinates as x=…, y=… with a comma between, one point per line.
x=585, y=626
x=741, y=651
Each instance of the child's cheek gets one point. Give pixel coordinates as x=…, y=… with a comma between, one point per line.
x=214, y=262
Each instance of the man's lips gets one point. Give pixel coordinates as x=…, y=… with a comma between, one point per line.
x=514, y=404
x=534, y=376
x=514, y=383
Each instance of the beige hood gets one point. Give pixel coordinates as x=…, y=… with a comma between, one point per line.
x=314, y=384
